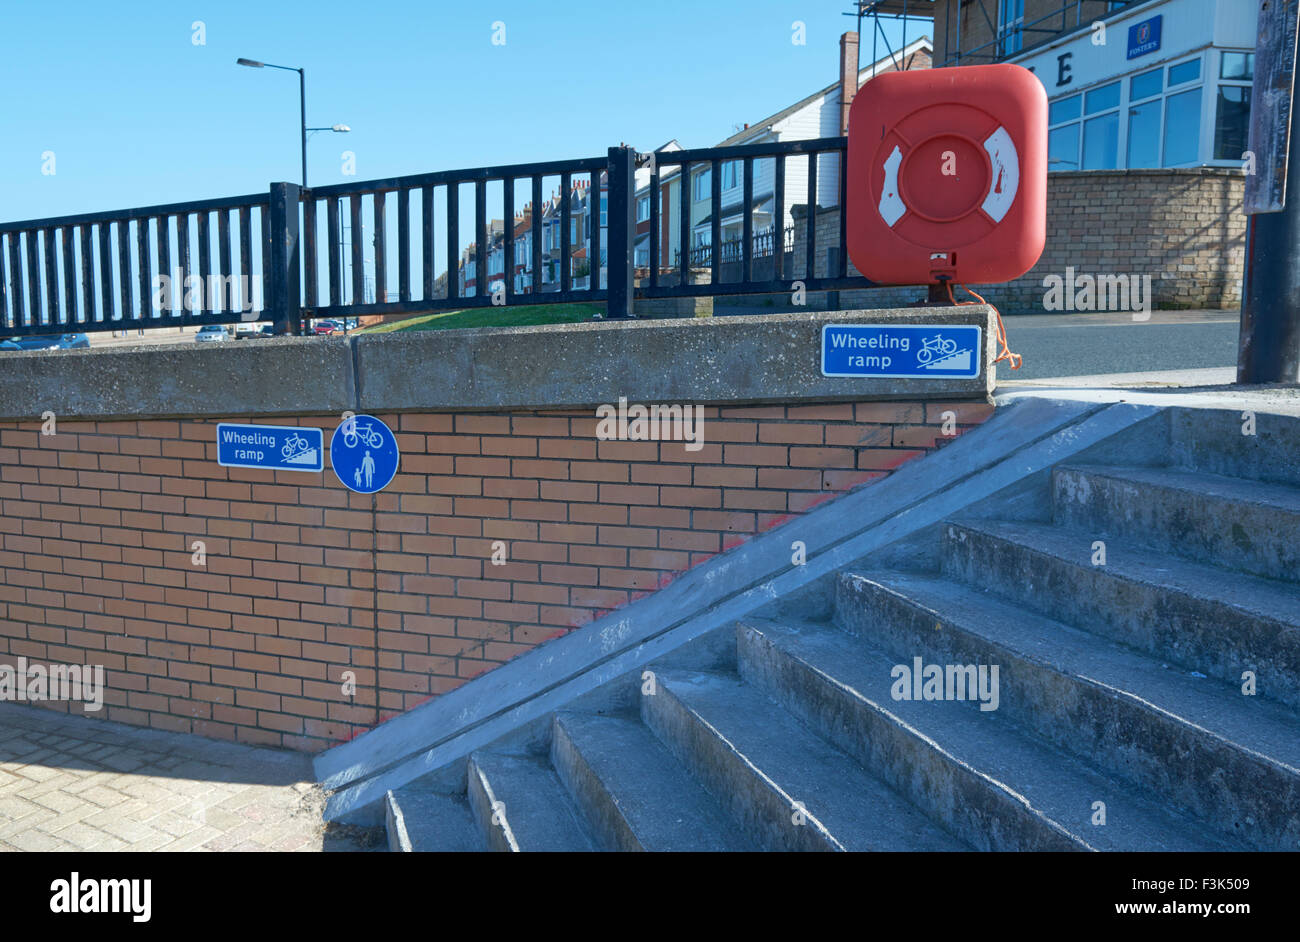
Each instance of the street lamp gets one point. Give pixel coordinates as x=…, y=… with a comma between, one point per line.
x=302, y=101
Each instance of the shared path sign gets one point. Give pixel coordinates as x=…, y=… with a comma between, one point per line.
x=911, y=351
x=278, y=447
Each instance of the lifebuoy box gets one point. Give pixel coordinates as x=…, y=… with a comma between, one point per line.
x=948, y=175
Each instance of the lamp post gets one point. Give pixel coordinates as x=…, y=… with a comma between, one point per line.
x=302, y=104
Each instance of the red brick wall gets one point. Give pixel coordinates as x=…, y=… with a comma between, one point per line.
x=304, y=579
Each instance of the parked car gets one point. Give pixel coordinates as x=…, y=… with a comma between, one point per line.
x=268, y=330
x=9, y=345
x=326, y=327
x=210, y=333
x=51, y=342
x=249, y=330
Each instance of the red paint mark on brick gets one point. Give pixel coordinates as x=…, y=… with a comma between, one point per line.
x=779, y=520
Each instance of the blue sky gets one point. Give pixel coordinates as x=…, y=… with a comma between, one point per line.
x=136, y=113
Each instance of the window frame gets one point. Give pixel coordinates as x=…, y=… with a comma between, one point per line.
x=1205, y=136
x=1218, y=82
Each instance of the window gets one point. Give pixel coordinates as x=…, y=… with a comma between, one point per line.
x=1232, y=107
x=604, y=210
x=730, y=174
x=1184, y=72
x=703, y=185
x=1101, y=133
x=643, y=209
x=573, y=230
x=1182, y=128
x=1144, y=135
x=1063, y=142
x=1237, y=65
x=1144, y=119
x=1150, y=119
x=1011, y=22
x=1063, y=148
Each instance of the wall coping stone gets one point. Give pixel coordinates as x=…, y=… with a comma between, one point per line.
x=714, y=360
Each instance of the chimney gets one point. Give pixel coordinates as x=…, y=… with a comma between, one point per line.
x=848, y=76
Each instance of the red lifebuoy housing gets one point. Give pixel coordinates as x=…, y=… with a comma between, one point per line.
x=948, y=175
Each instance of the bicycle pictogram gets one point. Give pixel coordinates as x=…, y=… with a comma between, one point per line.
x=936, y=344
x=354, y=434
x=294, y=445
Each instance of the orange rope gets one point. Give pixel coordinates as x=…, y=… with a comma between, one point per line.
x=1014, y=359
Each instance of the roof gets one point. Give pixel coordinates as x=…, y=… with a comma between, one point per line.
x=863, y=74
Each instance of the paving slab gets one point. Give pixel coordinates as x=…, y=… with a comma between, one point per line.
x=63, y=787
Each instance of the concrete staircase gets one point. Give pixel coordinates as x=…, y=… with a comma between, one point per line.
x=1120, y=720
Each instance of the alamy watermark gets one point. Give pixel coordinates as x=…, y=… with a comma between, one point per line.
x=216, y=292
x=30, y=683
x=638, y=423
x=946, y=682
x=1098, y=293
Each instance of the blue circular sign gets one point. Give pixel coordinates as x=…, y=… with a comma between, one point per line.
x=364, y=454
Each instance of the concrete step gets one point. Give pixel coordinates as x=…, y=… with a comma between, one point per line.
x=1208, y=620
x=789, y=789
x=984, y=777
x=519, y=804
x=1232, y=761
x=418, y=819
x=1232, y=523
x=631, y=792
x=1262, y=446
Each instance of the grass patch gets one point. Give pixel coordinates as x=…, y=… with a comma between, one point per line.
x=524, y=315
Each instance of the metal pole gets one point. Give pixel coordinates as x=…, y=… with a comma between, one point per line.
x=302, y=101
x=1269, y=339
x=621, y=170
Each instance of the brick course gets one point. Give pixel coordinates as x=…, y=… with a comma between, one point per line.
x=305, y=580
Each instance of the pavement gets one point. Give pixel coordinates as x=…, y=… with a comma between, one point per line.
x=72, y=783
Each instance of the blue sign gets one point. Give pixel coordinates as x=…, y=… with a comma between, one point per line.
x=915, y=351
x=1144, y=37
x=279, y=447
x=364, y=454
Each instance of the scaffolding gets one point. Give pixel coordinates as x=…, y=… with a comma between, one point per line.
x=892, y=9
x=1008, y=38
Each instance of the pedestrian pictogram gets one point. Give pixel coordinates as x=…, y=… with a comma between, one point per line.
x=364, y=454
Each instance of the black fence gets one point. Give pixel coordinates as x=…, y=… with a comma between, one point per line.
x=118, y=271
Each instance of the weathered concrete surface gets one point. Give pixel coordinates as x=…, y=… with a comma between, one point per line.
x=721, y=359
x=275, y=376
x=773, y=358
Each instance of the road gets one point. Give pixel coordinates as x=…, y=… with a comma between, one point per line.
x=1087, y=345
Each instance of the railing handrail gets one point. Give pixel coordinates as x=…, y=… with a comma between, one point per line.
x=140, y=212
x=413, y=181
x=68, y=273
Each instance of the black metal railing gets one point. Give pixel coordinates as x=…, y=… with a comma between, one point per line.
x=118, y=270
x=732, y=250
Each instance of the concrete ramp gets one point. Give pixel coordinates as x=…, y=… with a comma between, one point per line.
x=1076, y=628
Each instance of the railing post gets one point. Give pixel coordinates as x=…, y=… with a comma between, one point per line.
x=621, y=170
x=283, y=261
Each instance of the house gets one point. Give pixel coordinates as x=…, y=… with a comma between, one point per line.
x=824, y=113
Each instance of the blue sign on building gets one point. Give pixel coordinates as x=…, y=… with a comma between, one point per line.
x=1144, y=37
x=915, y=351
x=364, y=454
x=278, y=447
